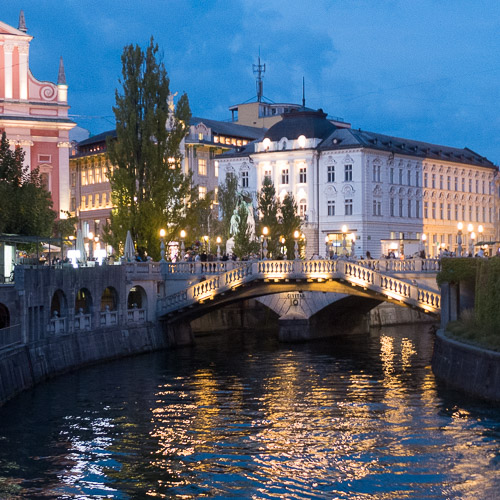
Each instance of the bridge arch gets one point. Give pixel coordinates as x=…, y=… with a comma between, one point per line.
x=4, y=316
x=109, y=299
x=83, y=301
x=59, y=304
x=137, y=298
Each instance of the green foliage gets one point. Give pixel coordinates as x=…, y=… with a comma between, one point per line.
x=243, y=246
x=480, y=326
x=65, y=227
x=268, y=208
x=25, y=204
x=457, y=269
x=290, y=222
x=149, y=189
x=228, y=199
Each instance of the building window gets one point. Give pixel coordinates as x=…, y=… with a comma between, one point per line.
x=408, y=178
x=470, y=185
x=202, y=192
x=73, y=204
x=477, y=214
x=433, y=210
x=202, y=166
x=377, y=207
x=216, y=168
x=107, y=197
x=417, y=178
x=267, y=174
x=449, y=211
x=456, y=210
x=463, y=185
x=477, y=186
x=448, y=183
x=216, y=195
x=93, y=199
x=348, y=206
x=426, y=176
x=440, y=182
x=73, y=179
x=433, y=181
x=348, y=173
x=391, y=207
x=441, y=211
x=84, y=177
x=456, y=183
x=401, y=207
x=409, y=209
x=426, y=210
x=391, y=175
x=303, y=175
x=331, y=173
x=284, y=176
x=302, y=208
x=91, y=176
x=331, y=207
x=400, y=176
x=417, y=208
x=470, y=212
x=244, y=179
x=464, y=209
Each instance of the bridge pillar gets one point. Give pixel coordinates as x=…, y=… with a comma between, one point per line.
x=180, y=333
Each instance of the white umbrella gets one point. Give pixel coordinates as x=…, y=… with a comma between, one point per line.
x=51, y=248
x=129, y=253
x=80, y=246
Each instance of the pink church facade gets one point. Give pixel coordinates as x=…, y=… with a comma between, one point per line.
x=34, y=114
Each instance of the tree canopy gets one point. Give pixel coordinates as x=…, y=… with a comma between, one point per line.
x=149, y=189
x=25, y=203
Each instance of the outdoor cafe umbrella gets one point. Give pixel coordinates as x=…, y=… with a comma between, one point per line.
x=80, y=246
x=129, y=253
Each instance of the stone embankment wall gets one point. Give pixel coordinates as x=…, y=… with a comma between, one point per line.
x=467, y=368
x=23, y=366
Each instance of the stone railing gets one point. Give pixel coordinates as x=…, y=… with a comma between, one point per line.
x=136, y=315
x=401, y=266
x=57, y=324
x=356, y=273
x=108, y=317
x=172, y=270
x=10, y=336
x=82, y=321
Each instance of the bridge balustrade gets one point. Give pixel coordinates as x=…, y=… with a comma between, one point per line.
x=108, y=318
x=215, y=267
x=11, y=335
x=57, y=324
x=82, y=321
x=401, y=266
x=136, y=315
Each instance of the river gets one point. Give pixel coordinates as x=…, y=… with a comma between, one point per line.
x=241, y=416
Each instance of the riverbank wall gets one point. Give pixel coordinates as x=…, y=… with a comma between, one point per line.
x=25, y=365
x=467, y=368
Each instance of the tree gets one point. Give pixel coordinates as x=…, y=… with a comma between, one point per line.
x=228, y=200
x=243, y=244
x=269, y=209
x=149, y=189
x=290, y=222
x=25, y=204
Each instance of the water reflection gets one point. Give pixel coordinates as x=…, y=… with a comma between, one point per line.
x=241, y=416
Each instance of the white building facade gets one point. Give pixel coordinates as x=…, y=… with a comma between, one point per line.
x=360, y=192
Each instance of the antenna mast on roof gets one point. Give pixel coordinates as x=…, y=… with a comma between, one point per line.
x=259, y=70
x=303, y=93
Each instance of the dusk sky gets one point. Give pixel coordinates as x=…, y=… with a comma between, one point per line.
x=427, y=70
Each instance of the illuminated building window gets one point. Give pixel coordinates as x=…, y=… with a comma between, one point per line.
x=85, y=200
x=267, y=174
x=202, y=166
x=302, y=208
x=200, y=136
x=202, y=192
x=216, y=167
x=216, y=139
x=216, y=195
x=244, y=143
x=73, y=179
x=284, y=176
x=91, y=176
x=84, y=177
x=98, y=177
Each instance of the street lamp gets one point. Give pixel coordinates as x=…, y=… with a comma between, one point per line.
x=283, y=248
x=472, y=238
x=265, y=232
x=296, y=236
x=162, y=244
x=470, y=229
x=218, y=241
x=327, y=247
x=183, y=235
x=344, y=243
x=205, y=239
x=480, y=230
x=459, y=239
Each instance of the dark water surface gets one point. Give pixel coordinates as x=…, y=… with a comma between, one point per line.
x=241, y=416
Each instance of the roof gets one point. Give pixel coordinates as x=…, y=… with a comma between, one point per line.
x=230, y=128
x=311, y=124
x=350, y=138
x=97, y=138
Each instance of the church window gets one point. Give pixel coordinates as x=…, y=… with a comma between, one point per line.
x=348, y=206
x=331, y=173
x=348, y=173
x=331, y=207
x=284, y=176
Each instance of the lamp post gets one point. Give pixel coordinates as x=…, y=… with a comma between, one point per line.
x=265, y=232
x=162, y=244
x=344, y=243
x=283, y=247
x=460, y=227
x=205, y=240
x=480, y=230
x=218, y=241
x=296, y=236
x=470, y=229
x=472, y=238
x=183, y=235
x=327, y=247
